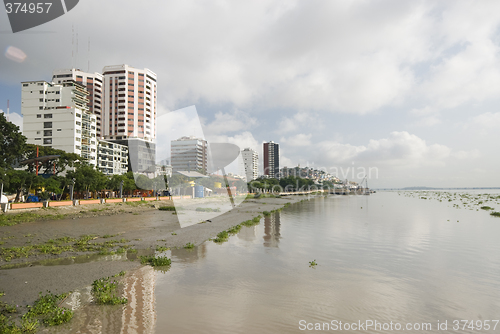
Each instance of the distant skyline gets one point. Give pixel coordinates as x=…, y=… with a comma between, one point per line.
x=410, y=88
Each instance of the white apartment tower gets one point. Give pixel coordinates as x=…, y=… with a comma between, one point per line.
x=189, y=154
x=129, y=103
x=93, y=82
x=57, y=115
x=251, y=163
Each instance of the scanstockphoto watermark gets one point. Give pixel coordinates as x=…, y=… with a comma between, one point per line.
x=375, y=325
x=350, y=172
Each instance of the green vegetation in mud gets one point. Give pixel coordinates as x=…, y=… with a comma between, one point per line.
x=495, y=214
x=161, y=248
x=189, y=245
x=208, y=210
x=486, y=208
x=167, y=208
x=104, y=291
x=221, y=237
x=10, y=219
x=157, y=261
x=313, y=263
x=85, y=243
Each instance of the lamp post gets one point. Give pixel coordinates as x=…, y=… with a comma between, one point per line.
x=1, y=191
x=72, y=188
x=121, y=189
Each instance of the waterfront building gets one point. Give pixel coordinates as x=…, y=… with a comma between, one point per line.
x=271, y=159
x=93, y=82
x=189, y=154
x=129, y=104
x=250, y=163
x=141, y=155
x=112, y=158
x=57, y=115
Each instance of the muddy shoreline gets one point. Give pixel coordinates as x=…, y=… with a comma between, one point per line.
x=144, y=228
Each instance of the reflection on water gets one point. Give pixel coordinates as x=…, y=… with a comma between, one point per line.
x=380, y=257
x=272, y=229
x=137, y=316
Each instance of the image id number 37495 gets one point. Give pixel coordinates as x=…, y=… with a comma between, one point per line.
x=18, y=7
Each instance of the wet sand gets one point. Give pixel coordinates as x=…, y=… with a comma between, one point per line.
x=145, y=226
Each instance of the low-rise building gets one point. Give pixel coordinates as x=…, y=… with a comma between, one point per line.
x=112, y=158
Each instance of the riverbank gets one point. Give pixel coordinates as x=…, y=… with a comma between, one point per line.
x=128, y=230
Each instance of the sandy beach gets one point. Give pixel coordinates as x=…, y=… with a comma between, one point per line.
x=141, y=227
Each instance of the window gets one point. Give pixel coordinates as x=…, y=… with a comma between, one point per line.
x=59, y=129
x=47, y=140
x=47, y=133
x=78, y=147
x=78, y=115
x=78, y=131
x=77, y=139
x=57, y=100
x=47, y=125
x=47, y=116
x=78, y=123
x=58, y=92
x=25, y=85
x=40, y=108
x=38, y=138
x=41, y=100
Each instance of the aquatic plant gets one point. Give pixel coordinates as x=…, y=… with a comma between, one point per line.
x=266, y=213
x=46, y=309
x=167, y=208
x=161, y=248
x=189, y=245
x=104, y=291
x=235, y=229
x=313, y=263
x=495, y=214
x=221, y=237
x=156, y=261
x=486, y=208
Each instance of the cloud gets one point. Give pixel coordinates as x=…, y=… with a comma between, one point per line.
x=15, y=118
x=487, y=120
x=399, y=149
x=299, y=121
x=229, y=122
x=306, y=55
x=298, y=140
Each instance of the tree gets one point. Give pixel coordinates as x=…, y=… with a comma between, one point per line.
x=65, y=159
x=12, y=142
x=21, y=181
x=87, y=178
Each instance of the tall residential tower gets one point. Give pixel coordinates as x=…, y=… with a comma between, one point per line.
x=251, y=163
x=272, y=159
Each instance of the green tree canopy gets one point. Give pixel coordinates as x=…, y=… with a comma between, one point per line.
x=12, y=142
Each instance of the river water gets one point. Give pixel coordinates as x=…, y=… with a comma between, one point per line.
x=380, y=258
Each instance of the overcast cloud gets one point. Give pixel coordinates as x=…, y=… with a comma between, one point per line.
x=410, y=87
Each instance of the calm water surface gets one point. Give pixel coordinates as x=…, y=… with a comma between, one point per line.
x=383, y=257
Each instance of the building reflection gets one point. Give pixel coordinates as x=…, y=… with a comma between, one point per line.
x=272, y=227
x=137, y=316
x=248, y=233
x=190, y=255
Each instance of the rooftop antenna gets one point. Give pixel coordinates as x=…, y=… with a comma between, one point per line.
x=88, y=58
x=73, y=46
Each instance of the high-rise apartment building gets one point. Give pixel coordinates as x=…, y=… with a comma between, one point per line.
x=272, y=159
x=129, y=103
x=251, y=163
x=189, y=154
x=94, y=84
x=57, y=115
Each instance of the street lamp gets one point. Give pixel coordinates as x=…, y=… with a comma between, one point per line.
x=121, y=189
x=1, y=191
x=72, y=189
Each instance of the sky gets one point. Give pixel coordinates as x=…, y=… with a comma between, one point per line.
x=405, y=91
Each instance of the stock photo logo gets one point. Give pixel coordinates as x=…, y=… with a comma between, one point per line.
x=202, y=184
x=24, y=15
